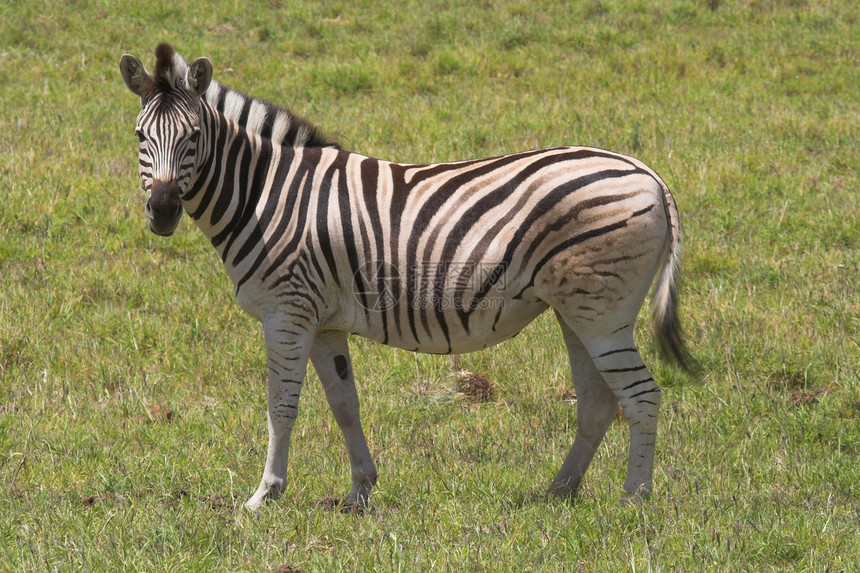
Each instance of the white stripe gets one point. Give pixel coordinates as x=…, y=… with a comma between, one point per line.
x=233, y=104
x=212, y=92
x=257, y=117
x=281, y=127
x=302, y=136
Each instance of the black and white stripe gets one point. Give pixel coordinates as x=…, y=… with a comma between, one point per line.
x=443, y=258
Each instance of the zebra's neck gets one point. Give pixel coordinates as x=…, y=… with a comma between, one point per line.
x=234, y=192
x=229, y=161
x=275, y=123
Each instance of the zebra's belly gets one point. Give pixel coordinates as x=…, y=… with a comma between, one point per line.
x=438, y=330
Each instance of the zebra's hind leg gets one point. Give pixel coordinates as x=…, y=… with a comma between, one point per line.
x=330, y=357
x=617, y=359
x=596, y=407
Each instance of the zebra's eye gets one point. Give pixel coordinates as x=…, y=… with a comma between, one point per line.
x=140, y=135
x=194, y=135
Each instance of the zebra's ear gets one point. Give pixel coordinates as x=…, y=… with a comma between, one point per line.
x=134, y=75
x=199, y=76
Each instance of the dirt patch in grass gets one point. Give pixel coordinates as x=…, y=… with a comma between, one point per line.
x=95, y=499
x=565, y=394
x=161, y=412
x=806, y=397
x=158, y=413
x=329, y=502
x=334, y=503
x=476, y=387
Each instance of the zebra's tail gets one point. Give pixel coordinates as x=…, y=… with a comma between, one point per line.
x=664, y=302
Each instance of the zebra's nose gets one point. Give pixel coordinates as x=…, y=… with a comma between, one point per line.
x=164, y=208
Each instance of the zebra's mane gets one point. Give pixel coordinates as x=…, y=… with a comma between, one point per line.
x=270, y=121
x=273, y=122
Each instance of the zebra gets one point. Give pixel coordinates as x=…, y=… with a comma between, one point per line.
x=443, y=258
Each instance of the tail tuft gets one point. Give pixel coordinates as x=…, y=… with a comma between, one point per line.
x=664, y=303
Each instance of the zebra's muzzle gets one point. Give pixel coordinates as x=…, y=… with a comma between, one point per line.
x=164, y=207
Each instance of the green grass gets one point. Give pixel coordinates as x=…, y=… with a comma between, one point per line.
x=750, y=111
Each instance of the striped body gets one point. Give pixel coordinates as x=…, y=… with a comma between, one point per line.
x=507, y=228
x=442, y=258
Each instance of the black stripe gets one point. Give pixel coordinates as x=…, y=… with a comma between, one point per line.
x=300, y=294
x=641, y=211
x=343, y=199
x=369, y=170
x=637, y=383
x=631, y=369
x=322, y=232
x=471, y=216
x=301, y=270
x=617, y=351
x=400, y=190
x=246, y=110
x=423, y=172
x=367, y=255
x=292, y=133
x=650, y=391
x=209, y=120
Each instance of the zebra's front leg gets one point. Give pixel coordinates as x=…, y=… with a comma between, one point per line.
x=287, y=349
x=330, y=357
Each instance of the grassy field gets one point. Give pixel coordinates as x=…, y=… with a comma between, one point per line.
x=132, y=387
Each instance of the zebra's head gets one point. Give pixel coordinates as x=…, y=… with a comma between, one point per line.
x=168, y=127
